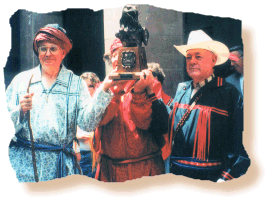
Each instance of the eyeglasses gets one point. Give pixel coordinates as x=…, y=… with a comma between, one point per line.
x=53, y=50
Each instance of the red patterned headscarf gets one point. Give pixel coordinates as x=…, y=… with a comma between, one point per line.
x=53, y=34
x=233, y=57
x=116, y=44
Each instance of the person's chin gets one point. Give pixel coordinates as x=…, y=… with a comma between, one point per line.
x=49, y=63
x=194, y=73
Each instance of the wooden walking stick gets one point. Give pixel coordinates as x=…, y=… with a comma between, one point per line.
x=32, y=139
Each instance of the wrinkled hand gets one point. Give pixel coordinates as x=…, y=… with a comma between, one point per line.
x=145, y=83
x=26, y=102
x=108, y=83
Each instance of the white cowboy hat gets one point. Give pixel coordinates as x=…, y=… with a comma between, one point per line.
x=200, y=40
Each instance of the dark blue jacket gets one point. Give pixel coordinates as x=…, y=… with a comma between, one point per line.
x=209, y=145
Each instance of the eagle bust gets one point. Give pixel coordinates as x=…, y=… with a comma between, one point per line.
x=131, y=33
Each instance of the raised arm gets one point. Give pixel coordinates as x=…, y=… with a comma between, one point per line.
x=141, y=104
x=90, y=110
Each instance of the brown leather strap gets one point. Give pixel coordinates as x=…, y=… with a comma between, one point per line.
x=32, y=139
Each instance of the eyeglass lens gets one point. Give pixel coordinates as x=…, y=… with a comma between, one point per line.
x=53, y=50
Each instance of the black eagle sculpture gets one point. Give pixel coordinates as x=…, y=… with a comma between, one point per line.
x=131, y=33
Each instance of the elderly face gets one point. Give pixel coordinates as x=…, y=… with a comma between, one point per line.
x=200, y=63
x=237, y=64
x=50, y=55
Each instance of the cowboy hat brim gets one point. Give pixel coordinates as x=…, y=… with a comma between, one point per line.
x=218, y=48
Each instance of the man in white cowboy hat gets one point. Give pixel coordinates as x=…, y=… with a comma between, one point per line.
x=206, y=117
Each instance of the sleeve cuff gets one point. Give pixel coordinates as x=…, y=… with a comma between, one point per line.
x=132, y=91
x=138, y=97
x=226, y=176
x=152, y=97
x=104, y=96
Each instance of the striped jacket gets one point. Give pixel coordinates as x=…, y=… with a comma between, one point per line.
x=55, y=115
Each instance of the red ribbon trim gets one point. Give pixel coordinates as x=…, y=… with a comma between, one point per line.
x=153, y=98
x=202, y=132
x=202, y=136
x=227, y=175
x=201, y=107
x=219, y=81
x=199, y=164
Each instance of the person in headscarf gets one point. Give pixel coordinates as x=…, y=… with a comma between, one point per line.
x=46, y=104
x=129, y=137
